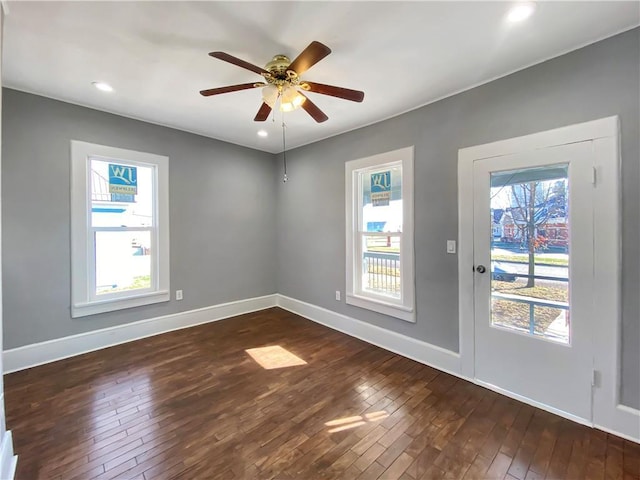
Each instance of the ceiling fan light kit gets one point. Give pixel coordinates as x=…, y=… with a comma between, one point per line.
x=282, y=77
x=290, y=99
x=270, y=94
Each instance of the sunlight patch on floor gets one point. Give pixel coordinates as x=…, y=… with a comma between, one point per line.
x=346, y=423
x=274, y=357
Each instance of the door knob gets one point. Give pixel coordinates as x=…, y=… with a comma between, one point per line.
x=481, y=269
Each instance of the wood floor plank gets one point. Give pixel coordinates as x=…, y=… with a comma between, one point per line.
x=369, y=456
x=499, y=466
x=370, y=439
x=394, y=450
x=631, y=459
x=594, y=469
x=193, y=404
x=373, y=472
x=478, y=468
x=560, y=457
x=398, y=467
x=614, y=466
x=423, y=462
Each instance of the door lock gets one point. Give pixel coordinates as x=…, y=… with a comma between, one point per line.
x=481, y=269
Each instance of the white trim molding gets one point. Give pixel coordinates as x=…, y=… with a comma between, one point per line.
x=8, y=461
x=608, y=414
x=45, y=352
x=580, y=132
x=533, y=403
x=443, y=360
x=423, y=352
x=623, y=422
x=84, y=260
x=420, y=351
x=355, y=171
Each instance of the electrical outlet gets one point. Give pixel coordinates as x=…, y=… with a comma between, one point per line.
x=338, y=295
x=178, y=294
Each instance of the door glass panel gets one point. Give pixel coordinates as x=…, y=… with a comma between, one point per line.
x=530, y=252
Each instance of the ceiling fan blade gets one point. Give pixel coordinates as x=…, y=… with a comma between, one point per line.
x=340, y=92
x=263, y=113
x=311, y=55
x=313, y=110
x=225, y=57
x=230, y=88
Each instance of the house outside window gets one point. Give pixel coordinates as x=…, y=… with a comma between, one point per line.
x=120, y=229
x=379, y=233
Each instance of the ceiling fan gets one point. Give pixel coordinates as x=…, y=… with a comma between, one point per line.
x=283, y=82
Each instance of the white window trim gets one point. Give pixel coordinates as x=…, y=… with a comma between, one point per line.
x=405, y=308
x=83, y=303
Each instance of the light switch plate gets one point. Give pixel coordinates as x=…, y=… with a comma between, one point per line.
x=451, y=246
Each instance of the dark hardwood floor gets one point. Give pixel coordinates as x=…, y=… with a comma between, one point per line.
x=194, y=404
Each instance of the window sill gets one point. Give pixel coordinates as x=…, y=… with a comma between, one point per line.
x=402, y=312
x=83, y=309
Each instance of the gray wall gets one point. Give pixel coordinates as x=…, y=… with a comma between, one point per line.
x=597, y=81
x=222, y=214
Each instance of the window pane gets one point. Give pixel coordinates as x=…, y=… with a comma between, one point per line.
x=381, y=197
x=530, y=251
x=381, y=265
x=121, y=194
x=379, y=258
x=123, y=261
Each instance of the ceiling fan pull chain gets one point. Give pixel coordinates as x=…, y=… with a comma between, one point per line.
x=284, y=151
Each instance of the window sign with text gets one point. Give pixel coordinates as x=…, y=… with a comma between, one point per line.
x=380, y=188
x=123, y=179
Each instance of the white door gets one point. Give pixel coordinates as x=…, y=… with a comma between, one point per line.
x=533, y=280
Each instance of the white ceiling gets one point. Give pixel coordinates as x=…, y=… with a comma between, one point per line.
x=401, y=54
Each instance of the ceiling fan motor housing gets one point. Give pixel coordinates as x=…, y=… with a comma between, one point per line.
x=279, y=73
x=282, y=80
x=278, y=66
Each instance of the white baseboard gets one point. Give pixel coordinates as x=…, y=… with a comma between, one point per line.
x=627, y=420
x=8, y=461
x=533, y=403
x=624, y=422
x=39, y=353
x=423, y=352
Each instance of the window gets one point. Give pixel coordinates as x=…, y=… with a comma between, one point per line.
x=119, y=229
x=379, y=206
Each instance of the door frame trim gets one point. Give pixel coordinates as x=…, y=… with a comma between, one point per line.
x=604, y=133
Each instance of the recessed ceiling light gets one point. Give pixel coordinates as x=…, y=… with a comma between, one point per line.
x=262, y=133
x=105, y=87
x=520, y=12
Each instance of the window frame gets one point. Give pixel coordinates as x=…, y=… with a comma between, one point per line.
x=404, y=308
x=84, y=301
